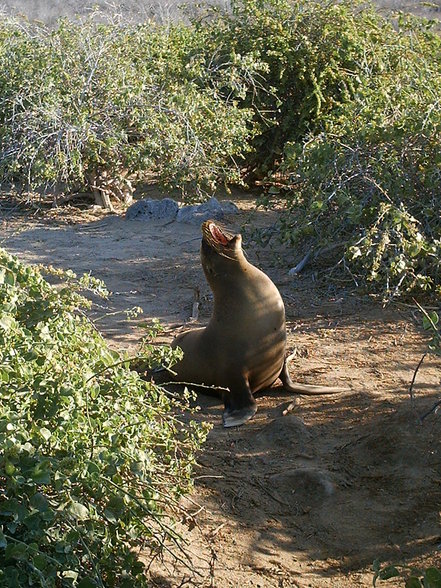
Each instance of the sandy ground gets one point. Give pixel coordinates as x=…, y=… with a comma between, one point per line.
x=306, y=499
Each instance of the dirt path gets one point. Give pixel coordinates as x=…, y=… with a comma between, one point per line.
x=306, y=499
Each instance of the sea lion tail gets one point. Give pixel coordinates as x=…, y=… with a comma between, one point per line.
x=305, y=389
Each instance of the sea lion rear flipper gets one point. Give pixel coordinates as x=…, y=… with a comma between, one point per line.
x=240, y=405
x=305, y=389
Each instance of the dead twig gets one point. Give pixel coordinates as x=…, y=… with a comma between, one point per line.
x=298, y=268
x=195, y=311
x=216, y=530
x=212, y=567
x=415, y=375
x=291, y=406
x=433, y=409
x=205, y=386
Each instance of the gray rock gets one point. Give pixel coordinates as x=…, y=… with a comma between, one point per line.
x=229, y=207
x=151, y=210
x=212, y=209
x=168, y=209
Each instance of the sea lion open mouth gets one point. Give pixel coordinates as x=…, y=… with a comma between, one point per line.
x=216, y=236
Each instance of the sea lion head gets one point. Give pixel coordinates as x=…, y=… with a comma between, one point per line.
x=221, y=251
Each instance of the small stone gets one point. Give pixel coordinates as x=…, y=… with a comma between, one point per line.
x=151, y=210
x=196, y=214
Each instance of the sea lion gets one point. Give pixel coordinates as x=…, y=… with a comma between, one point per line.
x=243, y=347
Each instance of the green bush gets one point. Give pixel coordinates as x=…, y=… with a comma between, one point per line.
x=90, y=454
x=303, y=58
x=351, y=136
x=346, y=103
x=370, y=177
x=101, y=107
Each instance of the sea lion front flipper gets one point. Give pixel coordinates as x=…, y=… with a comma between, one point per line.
x=240, y=405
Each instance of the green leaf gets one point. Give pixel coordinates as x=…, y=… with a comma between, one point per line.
x=40, y=561
x=9, y=278
x=70, y=574
x=16, y=551
x=39, y=501
x=4, y=376
x=6, y=322
x=432, y=578
x=9, y=468
x=388, y=572
x=78, y=511
x=413, y=582
x=430, y=321
x=45, y=433
x=3, y=541
x=434, y=317
x=41, y=474
x=62, y=547
x=93, y=468
x=110, y=515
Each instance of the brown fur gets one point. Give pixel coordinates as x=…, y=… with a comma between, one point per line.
x=243, y=346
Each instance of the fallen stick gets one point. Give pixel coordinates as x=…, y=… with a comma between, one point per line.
x=298, y=268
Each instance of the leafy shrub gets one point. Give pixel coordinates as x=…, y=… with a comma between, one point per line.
x=89, y=453
x=103, y=106
x=429, y=578
x=358, y=138
x=346, y=103
x=303, y=58
x=370, y=177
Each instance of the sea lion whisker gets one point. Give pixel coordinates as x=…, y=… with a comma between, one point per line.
x=231, y=257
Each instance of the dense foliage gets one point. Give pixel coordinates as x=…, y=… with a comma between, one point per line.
x=89, y=452
x=333, y=106
x=349, y=117
x=102, y=106
x=368, y=176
